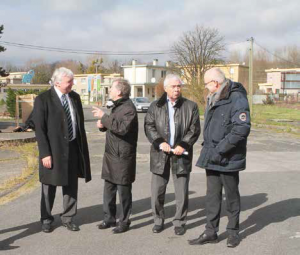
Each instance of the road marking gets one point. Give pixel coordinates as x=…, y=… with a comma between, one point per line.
x=295, y=236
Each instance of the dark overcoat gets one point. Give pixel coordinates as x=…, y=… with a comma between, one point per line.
x=226, y=128
x=187, y=131
x=121, y=127
x=51, y=131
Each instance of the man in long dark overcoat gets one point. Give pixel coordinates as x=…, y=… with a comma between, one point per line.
x=63, y=150
x=119, y=161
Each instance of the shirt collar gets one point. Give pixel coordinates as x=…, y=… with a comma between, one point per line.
x=59, y=92
x=169, y=101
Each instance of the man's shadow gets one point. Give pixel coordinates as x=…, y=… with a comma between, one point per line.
x=274, y=213
x=260, y=218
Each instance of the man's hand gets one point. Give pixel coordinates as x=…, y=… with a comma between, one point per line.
x=47, y=162
x=178, y=150
x=165, y=147
x=99, y=124
x=97, y=112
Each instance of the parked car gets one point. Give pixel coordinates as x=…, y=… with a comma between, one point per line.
x=142, y=104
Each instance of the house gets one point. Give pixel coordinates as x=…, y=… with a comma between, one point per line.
x=282, y=81
x=93, y=87
x=13, y=78
x=144, y=77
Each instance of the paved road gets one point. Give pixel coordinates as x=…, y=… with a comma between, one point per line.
x=270, y=217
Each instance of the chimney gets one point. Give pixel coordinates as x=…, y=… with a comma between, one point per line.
x=167, y=63
x=155, y=62
x=133, y=62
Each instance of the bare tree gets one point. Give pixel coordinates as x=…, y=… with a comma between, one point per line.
x=195, y=52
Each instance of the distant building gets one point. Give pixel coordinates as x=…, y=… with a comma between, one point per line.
x=13, y=78
x=93, y=86
x=237, y=73
x=144, y=77
x=23, y=87
x=282, y=81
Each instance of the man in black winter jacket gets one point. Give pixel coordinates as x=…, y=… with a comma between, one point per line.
x=172, y=126
x=119, y=160
x=226, y=128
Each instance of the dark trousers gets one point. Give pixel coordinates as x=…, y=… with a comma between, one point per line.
x=69, y=192
x=109, y=202
x=158, y=191
x=215, y=183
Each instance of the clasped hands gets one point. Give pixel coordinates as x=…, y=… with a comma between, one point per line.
x=167, y=148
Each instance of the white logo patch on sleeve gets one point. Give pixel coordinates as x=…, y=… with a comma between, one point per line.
x=243, y=116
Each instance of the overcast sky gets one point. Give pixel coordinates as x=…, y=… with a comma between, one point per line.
x=133, y=25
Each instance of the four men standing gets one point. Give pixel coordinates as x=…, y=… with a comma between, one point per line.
x=172, y=126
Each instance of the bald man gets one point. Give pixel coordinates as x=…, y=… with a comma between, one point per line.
x=226, y=128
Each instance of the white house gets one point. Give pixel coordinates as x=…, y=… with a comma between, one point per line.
x=144, y=77
x=282, y=81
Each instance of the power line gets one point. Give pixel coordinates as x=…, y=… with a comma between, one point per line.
x=87, y=52
x=290, y=62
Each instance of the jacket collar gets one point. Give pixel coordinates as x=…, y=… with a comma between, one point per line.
x=163, y=100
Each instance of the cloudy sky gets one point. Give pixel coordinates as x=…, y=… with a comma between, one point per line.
x=136, y=25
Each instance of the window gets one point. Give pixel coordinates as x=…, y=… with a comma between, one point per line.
x=163, y=74
x=83, y=91
x=153, y=73
x=83, y=80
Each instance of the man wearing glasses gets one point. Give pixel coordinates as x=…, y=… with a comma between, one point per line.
x=172, y=126
x=226, y=128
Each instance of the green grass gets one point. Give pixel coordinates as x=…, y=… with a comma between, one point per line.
x=266, y=114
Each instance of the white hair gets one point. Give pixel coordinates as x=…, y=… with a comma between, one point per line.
x=59, y=73
x=171, y=77
x=216, y=74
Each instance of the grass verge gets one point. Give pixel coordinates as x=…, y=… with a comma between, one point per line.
x=28, y=178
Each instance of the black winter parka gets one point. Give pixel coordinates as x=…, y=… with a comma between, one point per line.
x=226, y=128
x=157, y=130
x=121, y=126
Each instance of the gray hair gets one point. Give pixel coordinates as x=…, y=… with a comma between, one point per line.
x=123, y=85
x=216, y=74
x=59, y=73
x=170, y=77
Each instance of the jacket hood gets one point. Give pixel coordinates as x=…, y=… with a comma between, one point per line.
x=232, y=87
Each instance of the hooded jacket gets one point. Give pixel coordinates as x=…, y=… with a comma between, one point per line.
x=226, y=128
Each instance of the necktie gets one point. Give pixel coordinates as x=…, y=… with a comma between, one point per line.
x=68, y=115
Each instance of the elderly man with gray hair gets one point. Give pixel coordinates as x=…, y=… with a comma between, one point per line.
x=63, y=150
x=119, y=160
x=227, y=126
x=172, y=126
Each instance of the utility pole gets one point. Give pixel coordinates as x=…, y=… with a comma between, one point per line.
x=250, y=85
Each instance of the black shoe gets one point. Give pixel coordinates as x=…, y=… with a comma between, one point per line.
x=233, y=241
x=47, y=228
x=71, y=226
x=158, y=228
x=204, y=238
x=105, y=225
x=179, y=231
x=120, y=229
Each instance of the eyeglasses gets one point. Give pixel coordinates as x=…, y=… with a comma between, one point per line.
x=209, y=82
